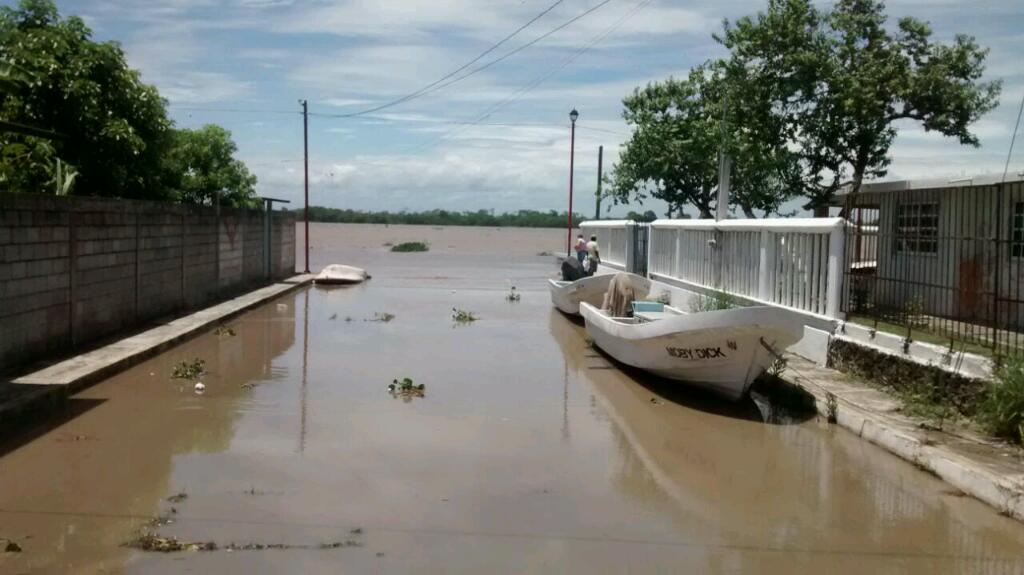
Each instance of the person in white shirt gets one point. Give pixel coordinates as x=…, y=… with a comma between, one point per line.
x=593, y=255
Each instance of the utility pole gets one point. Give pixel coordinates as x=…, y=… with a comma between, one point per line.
x=305, y=169
x=600, y=155
x=572, y=156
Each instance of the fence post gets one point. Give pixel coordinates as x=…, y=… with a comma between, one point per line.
x=630, y=244
x=836, y=243
x=766, y=266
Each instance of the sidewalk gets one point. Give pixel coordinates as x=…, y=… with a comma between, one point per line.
x=985, y=469
x=48, y=387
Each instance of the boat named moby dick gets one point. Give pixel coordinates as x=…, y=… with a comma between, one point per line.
x=723, y=351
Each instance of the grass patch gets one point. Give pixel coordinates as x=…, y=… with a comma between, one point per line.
x=406, y=247
x=714, y=302
x=1001, y=412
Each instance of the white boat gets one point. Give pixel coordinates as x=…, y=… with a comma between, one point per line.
x=567, y=296
x=340, y=274
x=723, y=351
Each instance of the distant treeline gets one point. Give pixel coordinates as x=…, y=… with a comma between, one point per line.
x=520, y=219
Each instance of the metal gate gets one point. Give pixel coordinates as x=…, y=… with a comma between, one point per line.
x=940, y=263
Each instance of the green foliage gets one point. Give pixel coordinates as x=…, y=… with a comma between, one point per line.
x=113, y=127
x=714, y=302
x=201, y=169
x=647, y=216
x=673, y=152
x=411, y=247
x=835, y=83
x=806, y=102
x=1002, y=409
x=189, y=369
x=522, y=218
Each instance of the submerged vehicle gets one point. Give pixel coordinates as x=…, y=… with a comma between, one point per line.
x=723, y=351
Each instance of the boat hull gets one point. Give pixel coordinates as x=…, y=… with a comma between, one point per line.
x=567, y=296
x=722, y=351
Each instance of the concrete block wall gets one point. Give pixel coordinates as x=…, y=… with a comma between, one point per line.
x=73, y=270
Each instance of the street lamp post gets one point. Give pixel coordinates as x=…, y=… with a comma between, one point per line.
x=572, y=156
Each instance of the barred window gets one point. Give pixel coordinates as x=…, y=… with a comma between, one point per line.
x=1017, y=233
x=917, y=228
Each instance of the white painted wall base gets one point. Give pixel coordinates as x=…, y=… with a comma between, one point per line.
x=960, y=363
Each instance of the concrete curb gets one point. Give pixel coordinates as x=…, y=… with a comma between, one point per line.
x=985, y=471
x=57, y=382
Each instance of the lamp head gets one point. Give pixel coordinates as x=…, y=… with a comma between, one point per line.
x=573, y=115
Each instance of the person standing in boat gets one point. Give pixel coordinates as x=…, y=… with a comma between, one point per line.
x=581, y=248
x=593, y=256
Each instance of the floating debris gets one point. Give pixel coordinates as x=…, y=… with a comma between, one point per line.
x=463, y=316
x=12, y=547
x=381, y=317
x=406, y=389
x=224, y=331
x=512, y=295
x=177, y=497
x=545, y=253
x=333, y=317
x=157, y=544
x=200, y=387
x=189, y=369
x=411, y=247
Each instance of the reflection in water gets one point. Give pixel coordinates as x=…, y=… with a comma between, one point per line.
x=107, y=470
x=757, y=485
x=303, y=388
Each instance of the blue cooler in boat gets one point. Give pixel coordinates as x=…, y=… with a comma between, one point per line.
x=642, y=306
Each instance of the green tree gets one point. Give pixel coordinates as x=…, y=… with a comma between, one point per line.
x=113, y=128
x=201, y=169
x=836, y=83
x=671, y=153
x=681, y=128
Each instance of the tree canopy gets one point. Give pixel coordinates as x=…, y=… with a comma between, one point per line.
x=811, y=100
x=99, y=121
x=201, y=169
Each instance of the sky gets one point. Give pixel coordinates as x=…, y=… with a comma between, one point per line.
x=500, y=138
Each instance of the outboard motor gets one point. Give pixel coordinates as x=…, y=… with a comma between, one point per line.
x=572, y=270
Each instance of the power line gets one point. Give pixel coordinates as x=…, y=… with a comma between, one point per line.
x=235, y=110
x=438, y=85
x=424, y=89
x=529, y=87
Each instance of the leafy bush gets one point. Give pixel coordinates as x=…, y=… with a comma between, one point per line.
x=713, y=302
x=1002, y=409
x=410, y=247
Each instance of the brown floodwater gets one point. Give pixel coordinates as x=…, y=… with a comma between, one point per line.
x=529, y=452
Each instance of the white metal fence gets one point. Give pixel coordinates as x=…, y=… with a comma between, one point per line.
x=796, y=263
x=612, y=240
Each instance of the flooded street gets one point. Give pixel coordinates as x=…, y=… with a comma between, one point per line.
x=529, y=452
